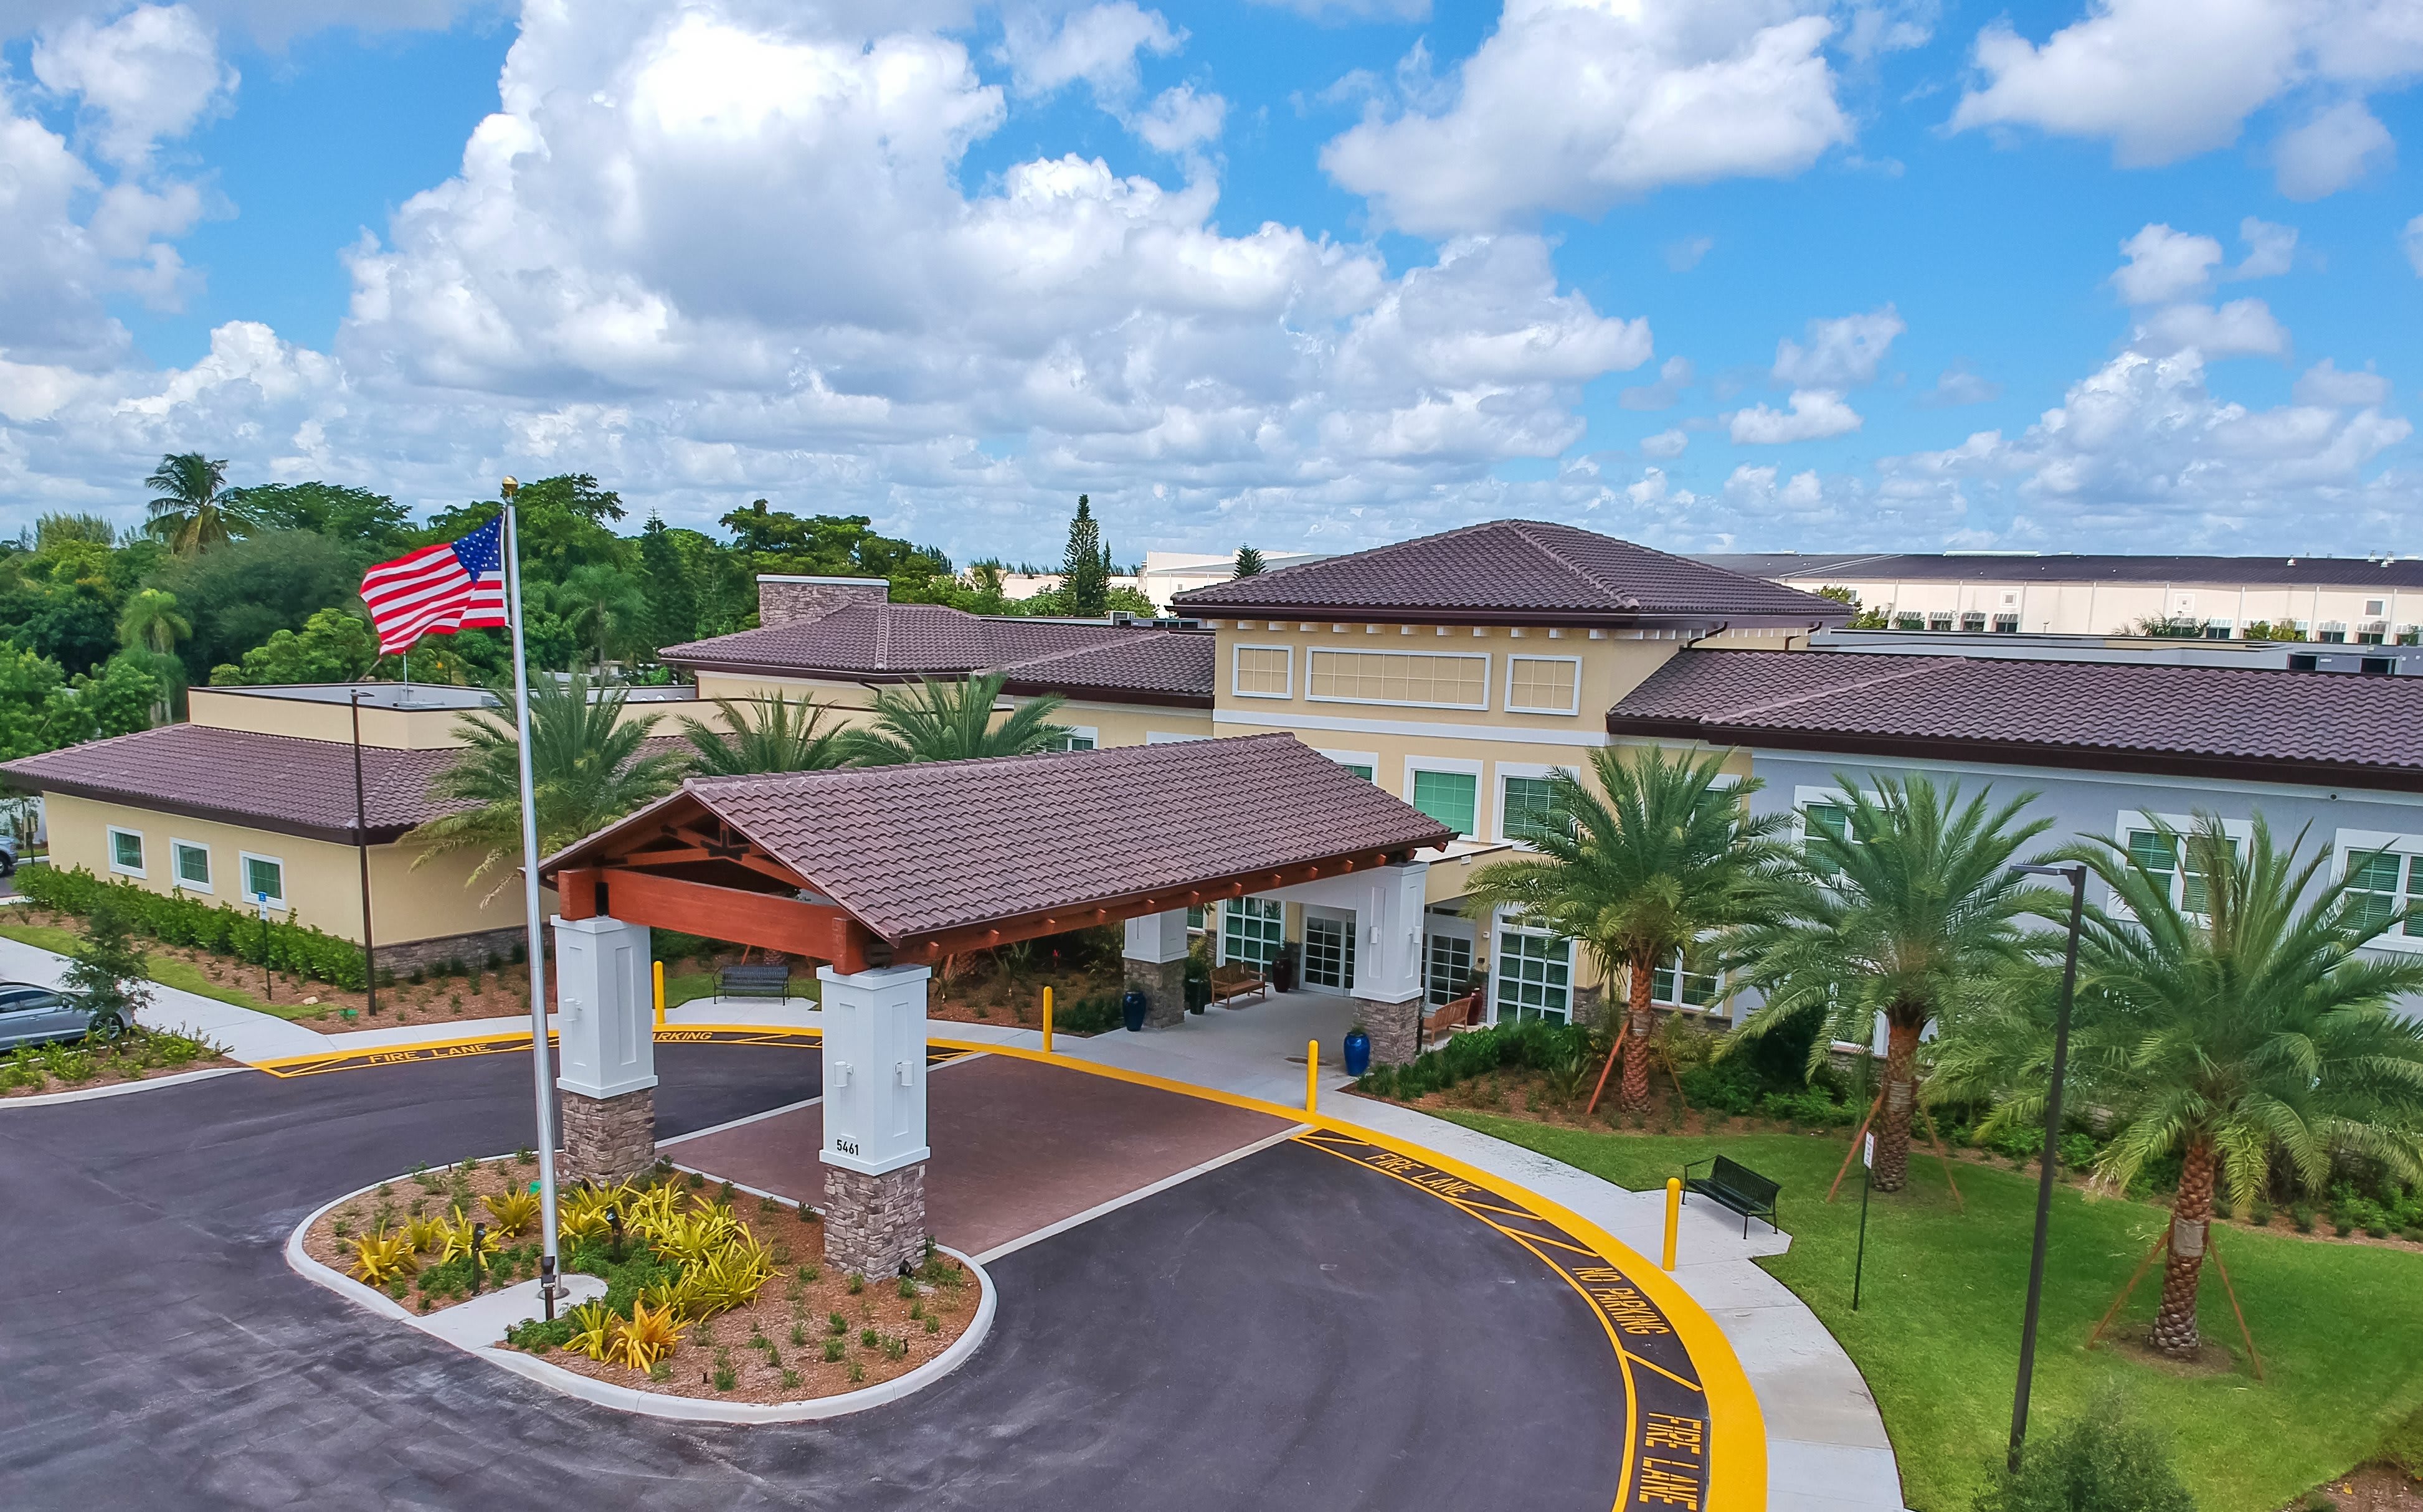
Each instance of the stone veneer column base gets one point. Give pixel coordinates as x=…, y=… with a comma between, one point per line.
x=609, y=1140
x=874, y=1224
x=1394, y=1027
x=1164, y=985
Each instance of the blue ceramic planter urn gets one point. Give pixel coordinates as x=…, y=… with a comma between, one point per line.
x=1359, y=1052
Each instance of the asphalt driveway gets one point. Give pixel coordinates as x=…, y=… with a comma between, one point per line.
x=1289, y=1331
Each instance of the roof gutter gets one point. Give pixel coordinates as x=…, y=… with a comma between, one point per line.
x=1702, y=625
x=387, y=834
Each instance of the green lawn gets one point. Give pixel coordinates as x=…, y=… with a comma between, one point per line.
x=690, y=985
x=2339, y=1326
x=165, y=970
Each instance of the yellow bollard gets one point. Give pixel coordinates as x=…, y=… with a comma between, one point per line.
x=1674, y=1219
x=1047, y=1020
x=660, y=994
x=1311, y=1076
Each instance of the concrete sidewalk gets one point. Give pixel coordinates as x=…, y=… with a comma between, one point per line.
x=1827, y=1447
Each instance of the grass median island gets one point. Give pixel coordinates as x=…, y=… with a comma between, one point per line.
x=1937, y=1335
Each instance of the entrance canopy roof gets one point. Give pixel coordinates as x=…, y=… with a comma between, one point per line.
x=907, y=864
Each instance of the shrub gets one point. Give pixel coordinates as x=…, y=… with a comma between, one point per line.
x=1097, y=1014
x=2100, y=1461
x=175, y=918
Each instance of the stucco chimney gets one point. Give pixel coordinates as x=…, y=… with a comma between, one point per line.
x=784, y=598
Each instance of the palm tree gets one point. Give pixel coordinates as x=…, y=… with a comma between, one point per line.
x=588, y=768
x=603, y=606
x=1652, y=859
x=781, y=736
x=150, y=622
x=952, y=722
x=1901, y=913
x=193, y=508
x=2247, y=1029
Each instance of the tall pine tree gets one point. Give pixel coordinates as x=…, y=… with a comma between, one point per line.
x=1086, y=583
x=672, y=598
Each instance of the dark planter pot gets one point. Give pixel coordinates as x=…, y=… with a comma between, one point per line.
x=1199, y=994
x=1359, y=1052
x=1283, y=974
x=1132, y=1008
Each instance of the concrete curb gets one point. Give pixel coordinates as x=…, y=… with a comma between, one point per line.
x=120, y=1089
x=654, y=1404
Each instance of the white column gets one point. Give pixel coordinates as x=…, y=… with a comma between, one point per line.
x=1389, y=968
x=605, y=1007
x=875, y=1068
x=1157, y=937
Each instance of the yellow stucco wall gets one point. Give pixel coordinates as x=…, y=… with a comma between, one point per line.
x=400, y=729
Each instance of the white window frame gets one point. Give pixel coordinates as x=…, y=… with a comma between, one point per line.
x=1235, y=691
x=177, y=877
x=244, y=878
x=1529, y=770
x=1369, y=758
x=1513, y=707
x=1715, y=1007
x=1456, y=767
x=1481, y=656
x=141, y=845
x=2239, y=831
x=1169, y=737
x=2352, y=842
x=1503, y=921
x=1090, y=734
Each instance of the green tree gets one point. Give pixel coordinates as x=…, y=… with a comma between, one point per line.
x=935, y=721
x=192, y=507
x=334, y=646
x=1651, y=858
x=766, y=736
x=2226, y=1017
x=126, y=695
x=237, y=596
x=589, y=767
x=672, y=598
x=1904, y=903
x=52, y=530
x=2101, y=1460
x=563, y=522
x=149, y=621
x=1249, y=562
x=603, y=608
x=355, y=516
x=35, y=713
x=1086, y=567
x=109, y=971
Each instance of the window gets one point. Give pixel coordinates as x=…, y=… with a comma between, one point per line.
x=264, y=874
x=1939, y=621
x=2332, y=631
x=1329, y=952
x=1194, y=921
x=1250, y=930
x=1452, y=799
x=1698, y=987
x=1973, y=622
x=2374, y=896
x=193, y=864
x=126, y=852
x=1078, y=737
x=1362, y=763
x=1544, y=685
x=1265, y=673
x=1447, y=679
x=1361, y=769
x=1527, y=806
x=1831, y=820
x=1446, y=968
x=2168, y=857
x=2006, y=625
x=2375, y=607
x=1534, y=976
x=2371, y=635
x=2219, y=629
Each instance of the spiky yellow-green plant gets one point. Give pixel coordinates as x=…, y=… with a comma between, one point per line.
x=593, y=1328
x=380, y=1257
x=648, y=1211
x=692, y=1236
x=458, y=1239
x=646, y=1337
x=730, y=1276
x=677, y=1295
x=514, y=1210
x=426, y=1234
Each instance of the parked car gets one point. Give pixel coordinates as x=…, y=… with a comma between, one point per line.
x=7, y=857
x=37, y=1015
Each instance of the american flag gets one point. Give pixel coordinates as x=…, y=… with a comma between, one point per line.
x=457, y=585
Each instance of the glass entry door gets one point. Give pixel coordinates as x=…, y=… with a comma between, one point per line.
x=1328, y=952
x=1534, y=976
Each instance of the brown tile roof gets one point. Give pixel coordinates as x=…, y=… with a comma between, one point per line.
x=881, y=641
x=910, y=850
x=2214, y=721
x=1515, y=570
x=277, y=782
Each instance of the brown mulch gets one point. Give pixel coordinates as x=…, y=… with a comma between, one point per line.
x=2374, y=1489
x=985, y=995
x=802, y=1295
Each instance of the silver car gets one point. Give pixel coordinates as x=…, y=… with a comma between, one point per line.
x=37, y=1015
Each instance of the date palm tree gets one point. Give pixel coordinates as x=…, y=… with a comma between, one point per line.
x=1901, y=913
x=1651, y=856
x=766, y=736
x=933, y=721
x=150, y=622
x=193, y=507
x=2231, y=1021
x=588, y=768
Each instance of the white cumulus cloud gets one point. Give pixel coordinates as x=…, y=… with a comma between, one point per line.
x=1814, y=415
x=2164, y=265
x=146, y=77
x=1097, y=45
x=1180, y=119
x=1842, y=353
x=2334, y=148
x=2409, y=240
x=1665, y=444
x=2241, y=328
x=1572, y=105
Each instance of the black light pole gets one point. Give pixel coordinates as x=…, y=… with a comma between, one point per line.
x=2077, y=876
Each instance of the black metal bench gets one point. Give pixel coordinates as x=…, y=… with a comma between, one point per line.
x=1735, y=1186
x=754, y=982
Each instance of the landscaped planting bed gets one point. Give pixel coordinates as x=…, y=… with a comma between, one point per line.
x=138, y=1055
x=712, y=1294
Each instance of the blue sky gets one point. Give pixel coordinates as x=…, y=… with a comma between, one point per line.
x=1238, y=270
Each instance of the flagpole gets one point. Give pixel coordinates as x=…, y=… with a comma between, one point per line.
x=539, y=1069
